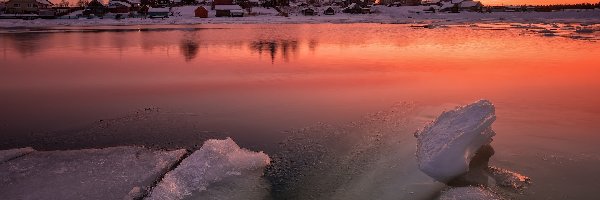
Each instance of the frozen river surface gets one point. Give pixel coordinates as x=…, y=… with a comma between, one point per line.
x=342, y=99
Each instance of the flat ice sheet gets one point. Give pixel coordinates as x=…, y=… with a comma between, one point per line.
x=468, y=193
x=6, y=155
x=109, y=173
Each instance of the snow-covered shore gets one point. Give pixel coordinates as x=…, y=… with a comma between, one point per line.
x=382, y=14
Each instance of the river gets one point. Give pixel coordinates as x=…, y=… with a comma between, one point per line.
x=173, y=86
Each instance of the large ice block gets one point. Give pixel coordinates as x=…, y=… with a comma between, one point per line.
x=446, y=146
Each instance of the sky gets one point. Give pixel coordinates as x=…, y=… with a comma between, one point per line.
x=535, y=2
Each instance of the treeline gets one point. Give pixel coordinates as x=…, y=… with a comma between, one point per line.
x=566, y=6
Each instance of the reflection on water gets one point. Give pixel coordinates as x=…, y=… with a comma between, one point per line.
x=189, y=47
x=26, y=44
x=288, y=68
x=273, y=48
x=254, y=81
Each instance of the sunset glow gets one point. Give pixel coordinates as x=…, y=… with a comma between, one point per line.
x=315, y=100
x=535, y=2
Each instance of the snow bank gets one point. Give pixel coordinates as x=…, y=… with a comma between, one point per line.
x=215, y=162
x=468, y=193
x=446, y=146
x=6, y=155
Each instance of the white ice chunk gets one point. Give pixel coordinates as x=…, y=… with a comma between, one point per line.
x=445, y=147
x=9, y=154
x=215, y=161
x=468, y=193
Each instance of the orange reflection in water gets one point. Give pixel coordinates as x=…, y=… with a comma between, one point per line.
x=283, y=76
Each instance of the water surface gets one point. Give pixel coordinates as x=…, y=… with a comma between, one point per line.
x=167, y=85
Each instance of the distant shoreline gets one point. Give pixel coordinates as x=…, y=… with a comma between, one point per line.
x=389, y=16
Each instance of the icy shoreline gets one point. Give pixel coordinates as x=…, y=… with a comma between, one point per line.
x=384, y=15
x=131, y=172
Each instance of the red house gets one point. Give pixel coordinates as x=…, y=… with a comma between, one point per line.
x=201, y=12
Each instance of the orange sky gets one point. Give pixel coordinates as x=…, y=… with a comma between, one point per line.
x=536, y=2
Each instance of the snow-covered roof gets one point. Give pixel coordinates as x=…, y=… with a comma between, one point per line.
x=46, y=2
x=118, y=3
x=158, y=10
x=446, y=5
x=228, y=7
x=469, y=4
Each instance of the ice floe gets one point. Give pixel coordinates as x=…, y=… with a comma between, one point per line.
x=109, y=173
x=217, y=162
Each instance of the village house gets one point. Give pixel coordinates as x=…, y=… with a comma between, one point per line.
x=27, y=6
x=308, y=11
x=201, y=12
x=134, y=5
x=117, y=6
x=469, y=5
x=94, y=8
x=227, y=8
x=457, y=5
x=158, y=12
x=329, y=11
x=401, y=2
x=228, y=11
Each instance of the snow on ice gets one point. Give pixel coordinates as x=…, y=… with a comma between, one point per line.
x=6, y=155
x=446, y=146
x=109, y=173
x=218, y=162
x=468, y=193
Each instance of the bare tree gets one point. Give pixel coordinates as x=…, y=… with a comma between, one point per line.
x=63, y=3
x=82, y=3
